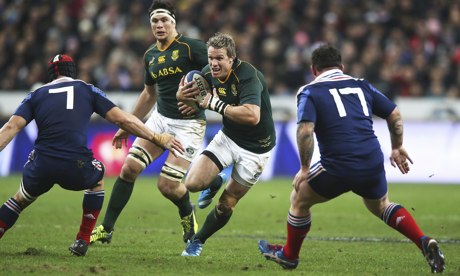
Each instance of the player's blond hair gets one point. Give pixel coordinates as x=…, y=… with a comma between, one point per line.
x=221, y=40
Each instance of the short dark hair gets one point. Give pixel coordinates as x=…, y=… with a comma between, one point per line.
x=159, y=4
x=326, y=56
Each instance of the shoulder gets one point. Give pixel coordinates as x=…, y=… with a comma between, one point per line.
x=97, y=90
x=303, y=90
x=150, y=52
x=196, y=48
x=153, y=47
x=244, y=66
x=245, y=70
x=89, y=87
x=190, y=41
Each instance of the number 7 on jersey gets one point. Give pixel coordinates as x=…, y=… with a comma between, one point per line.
x=65, y=89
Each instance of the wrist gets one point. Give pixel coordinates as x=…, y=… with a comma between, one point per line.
x=215, y=104
x=158, y=139
x=155, y=138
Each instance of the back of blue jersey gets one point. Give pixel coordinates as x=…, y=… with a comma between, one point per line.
x=62, y=110
x=341, y=108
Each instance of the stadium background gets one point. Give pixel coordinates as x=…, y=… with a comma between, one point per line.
x=409, y=49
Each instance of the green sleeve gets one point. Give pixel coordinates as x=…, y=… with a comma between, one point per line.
x=199, y=53
x=251, y=88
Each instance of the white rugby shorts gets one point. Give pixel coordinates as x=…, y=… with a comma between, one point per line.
x=189, y=131
x=248, y=166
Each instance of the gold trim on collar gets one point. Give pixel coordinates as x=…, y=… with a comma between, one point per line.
x=169, y=44
x=226, y=78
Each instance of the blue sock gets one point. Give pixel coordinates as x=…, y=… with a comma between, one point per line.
x=9, y=213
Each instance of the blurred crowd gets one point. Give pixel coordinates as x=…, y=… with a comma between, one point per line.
x=408, y=48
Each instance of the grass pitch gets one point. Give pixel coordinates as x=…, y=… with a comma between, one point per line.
x=345, y=239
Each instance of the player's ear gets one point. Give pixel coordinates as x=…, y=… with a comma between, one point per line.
x=342, y=67
x=313, y=70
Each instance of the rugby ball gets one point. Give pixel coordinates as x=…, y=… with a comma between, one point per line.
x=203, y=86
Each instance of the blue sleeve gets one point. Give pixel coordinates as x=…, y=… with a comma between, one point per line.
x=306, y=110
x=381, y=105
x=102, y=104
x=25, y=109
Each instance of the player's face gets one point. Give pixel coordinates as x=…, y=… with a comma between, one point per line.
x=162, y=27
x=219, y=62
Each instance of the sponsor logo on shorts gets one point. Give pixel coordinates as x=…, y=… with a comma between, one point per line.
x=97, y=164
x=189, y=152
x=80, y=163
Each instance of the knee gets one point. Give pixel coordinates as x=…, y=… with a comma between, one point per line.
x=224, y=209
x=137, y=160
x=300, y=205
x=193, y=183
x=300, y=201
x=377, y=207
x=21, y=200
x=226, y=204
x=99, y=187
x=168, y=188
x=193, y=189
x=130, y=171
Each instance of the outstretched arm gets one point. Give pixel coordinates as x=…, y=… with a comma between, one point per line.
x=399, y=155
x=10, y=129
x=133, y=125
x=142, y=107
x=145, y=102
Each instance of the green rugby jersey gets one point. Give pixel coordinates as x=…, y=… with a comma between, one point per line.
x=166, y=67
x=246, y=85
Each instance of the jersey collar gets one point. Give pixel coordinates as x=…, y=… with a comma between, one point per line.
x=328, y=73
x=236, y=63
x=61, y=79
x=161, y=49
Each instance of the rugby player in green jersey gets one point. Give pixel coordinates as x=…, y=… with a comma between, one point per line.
x=165, y=62
x=245, y=141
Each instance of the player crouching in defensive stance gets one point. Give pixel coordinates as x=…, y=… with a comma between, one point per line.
x=62, y=110
x=339, y=109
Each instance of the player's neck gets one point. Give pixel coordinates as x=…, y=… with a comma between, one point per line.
x=164, y=44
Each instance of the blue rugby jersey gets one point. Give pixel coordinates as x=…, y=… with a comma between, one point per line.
x=341, y=108
x=62, y=110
